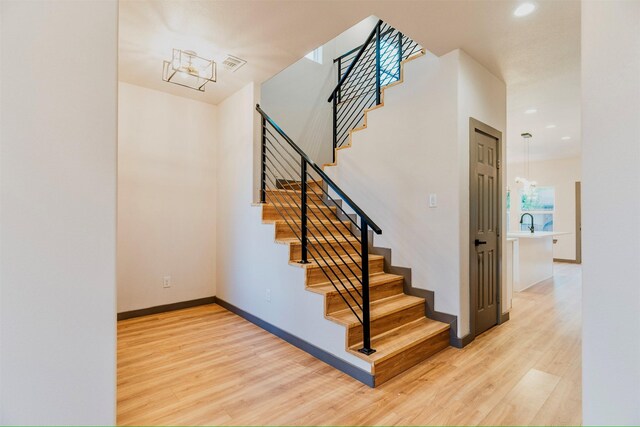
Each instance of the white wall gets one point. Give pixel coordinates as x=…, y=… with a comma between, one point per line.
x=418, y=144
x=249, y=261
x=58, y=198
x=610, y=189
x=296, y=98
x=1, y=150
x=562, y=174
x=166, y=198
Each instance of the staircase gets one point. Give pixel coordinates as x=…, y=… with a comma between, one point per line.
x=329, y=236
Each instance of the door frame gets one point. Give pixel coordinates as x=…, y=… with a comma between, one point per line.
x=476, y=125
x=578, y=222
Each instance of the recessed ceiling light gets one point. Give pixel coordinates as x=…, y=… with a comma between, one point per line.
x=550, y=126
x=524, y=9
x=531, y=111
x=565, y=137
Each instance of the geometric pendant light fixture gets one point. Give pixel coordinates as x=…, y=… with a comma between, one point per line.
x=188, y=69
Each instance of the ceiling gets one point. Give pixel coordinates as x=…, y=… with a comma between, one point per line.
x=538, y=56
x=557, y=101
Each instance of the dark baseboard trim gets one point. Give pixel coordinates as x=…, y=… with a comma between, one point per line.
x=167, y=307
x=503, y=318
x=566, y=261
x=408, y=289
x=460, y=342
x=328, y=358
x=468, y=339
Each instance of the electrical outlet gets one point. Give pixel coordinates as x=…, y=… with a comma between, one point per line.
x=267, y=295
x=166, y=282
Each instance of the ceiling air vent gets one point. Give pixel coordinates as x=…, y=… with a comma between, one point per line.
x=232, y=63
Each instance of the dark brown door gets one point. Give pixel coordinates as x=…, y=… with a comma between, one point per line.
x=485, y=228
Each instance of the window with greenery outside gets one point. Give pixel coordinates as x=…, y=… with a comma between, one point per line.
x=539, y=202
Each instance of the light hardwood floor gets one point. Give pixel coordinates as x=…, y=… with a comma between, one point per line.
x=205, y=365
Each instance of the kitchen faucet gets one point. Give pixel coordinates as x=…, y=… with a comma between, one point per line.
x=522, y=220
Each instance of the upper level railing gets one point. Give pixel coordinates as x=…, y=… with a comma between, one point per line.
x=337, y=241
x=362, y=73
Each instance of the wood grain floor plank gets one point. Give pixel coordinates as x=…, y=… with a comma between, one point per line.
x=205, y=365
x=524, y=401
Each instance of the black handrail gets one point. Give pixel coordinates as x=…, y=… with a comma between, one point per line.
x=353, y=63
x=308, y=209
x=320, y=172
x=358, y=47
x=377, y=64
x=302, y=209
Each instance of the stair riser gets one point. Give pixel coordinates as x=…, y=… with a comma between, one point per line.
x=334, y=301
x=292, y=199
x=311, y=186
x=270, y=213
x=316, y=275
x=409, y=357
x=326, y=250
x=283, y=230
x=386, y=323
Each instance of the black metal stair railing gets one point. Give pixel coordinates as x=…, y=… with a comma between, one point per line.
x=362, y=73
x=336, y=241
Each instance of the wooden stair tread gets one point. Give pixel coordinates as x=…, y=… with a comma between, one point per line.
x=374, y=280
x=399, y=339
x=286, y=184
x=276, y=196
x=290, y=203
x=314, y=220
x=310, y=206
x=335, y=260
x=379, y=308
x=321, y=239
x=289, y=191
x=342, y=259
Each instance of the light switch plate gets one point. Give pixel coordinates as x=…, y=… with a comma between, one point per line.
x=433, y=200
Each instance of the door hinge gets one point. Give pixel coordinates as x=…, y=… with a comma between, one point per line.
x=498, y=164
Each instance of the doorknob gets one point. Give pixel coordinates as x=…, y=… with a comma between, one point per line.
x=480, y=242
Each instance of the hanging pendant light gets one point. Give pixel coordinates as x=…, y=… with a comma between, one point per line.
x=528, y=185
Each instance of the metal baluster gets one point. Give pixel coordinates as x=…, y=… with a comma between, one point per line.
x=339, y=95
x=263, y=179
x=303, y=208
x=378, y=64
x=335, y=127
x=366, y=315
x=399, y=52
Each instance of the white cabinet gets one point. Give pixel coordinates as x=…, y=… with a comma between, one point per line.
x=534, y=258
x=510, y=273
